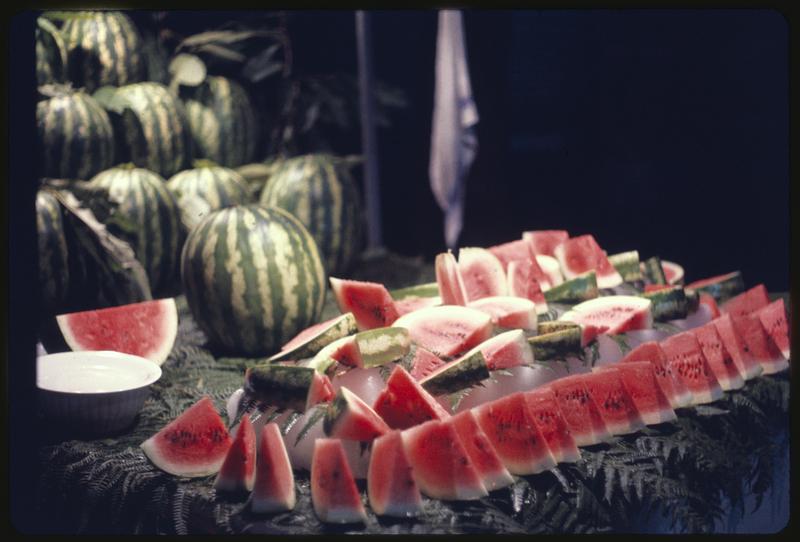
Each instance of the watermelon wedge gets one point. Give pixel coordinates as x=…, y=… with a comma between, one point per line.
x=370, y=302
x=349, y=417
x=441, y=466
x=447, y=330
x=146, y=329
x=773, y=318
x=508, y=311
x=312, y=339
x=424, y=362
x=391, y=487
x=747, y=302
x=735, y=345
x=515, y=436
x=673, y=272
x=639, y=379
x=521, y=282
x=287, y=386
x=546, y=414
x=238, y=471
x=761, y=347
x=580, y=411
x=676, y=391
x=404, y=402
x=482, y=273
x=687, y=361
x=613, y=401
x=411, y=304
x=506, y=350
x=718, y=357
x=273, y=490
x=544, y=242
x=448, y=277
x=581, y=254
x=491, y=470
x=720, y=287
x=520, y=251
x=611, y=315
x=334, y=493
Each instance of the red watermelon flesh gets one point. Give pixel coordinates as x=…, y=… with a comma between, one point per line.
x=238, y=471
x=580, y=411
x=334, y=493
x=442, y=468
x=673, y=387
x=515, y=436
x=344, y=350
x=320, y=391
x=544, y=242
x=546, y=414
x=147, y=329
x=349, y=417
x=403, y=403
x=273, y=490
x=758, y=343
x=656, y=287
x=615, y=405
x=493, y=473
x=745, y=362
x=482, y=273
x=686, y=360
x=773, y=318
x=447, y=330
x=718, y=357
x=193, y=444
x=410, y=304
x=613, y=314
x=448, y=278
x=506, y=350
x=391, y=487
x=711, y=303
x=520, y=251
x=370, y=302
x=581, y=254
x=424, y=363
x=747, y=302
x=522, y=283
x=639, y=379
x=508, y=311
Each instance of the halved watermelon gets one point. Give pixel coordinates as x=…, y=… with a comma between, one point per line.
x=581, y=254
x=735, y=345
x=193, y=444
x=480, y=450
x=720, y=287
x=447, y=330
x=747, y=302
x=613, y=401
x=756, y=340
x=544, y=242
x=546, y=414
x=391, y=487
x=334, y=493
x=481, y=272
x=506, y=350
x=508, y=311
x=349, y=417
x=370, y=302
x=448, y=277
x=687, y=361
x=147, y=329
x=580, y=411
x=641, y=383
x=238, y=471
x=312, y=339
x=515, y=436
x=611, y=315
x=673, y=387
x=404, y=402
x=718, y=357
x=521, y=282
x=441, y=466
x=424, y=362
x=273, y=490
x=773, y=318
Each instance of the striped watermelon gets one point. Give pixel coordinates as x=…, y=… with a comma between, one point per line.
x=253, y=278
x=325, y=199
x=223, y=121
x=150, y=126
x=206, y=188
x=51, y=54
x=53, y=264
x=103, y=48
x=145, y=202
x=75, y=135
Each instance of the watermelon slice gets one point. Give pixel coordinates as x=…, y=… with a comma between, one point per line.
x=720, y=287
x=520, y=251
x=551, y=269
x=612, y=315
x=461, y=373
x=391, y=487
x=580, y=411
x=194, y=444
x=411, y=304
x=581, y=254
x=491, y=470
x=405, y=403
x=676, y=391
x=447, y=330
x=369, y=348
x=349, y=417
x=672, y=272
x=641, y=383
x=448, y=277
x=708, y=301
x=521, y=282
x=615, y=405
x=508, y=311
x=718, y=357
x=273, y=490
x=544, y=242
x=370, y=302
x=312, y=339
x=747, y=302
x=506, y=350
x=687, y=361
x=441, y=466
x=424, y=362
x=515, y=436
x=481, y=272
x=238, y=471
x=735, y=345
x=147, y=329
x=543, y=408
x=334, y=493
x=773, y=318
x=342, y=350
x=760, y=346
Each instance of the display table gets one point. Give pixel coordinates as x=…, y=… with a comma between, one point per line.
x=721, y=467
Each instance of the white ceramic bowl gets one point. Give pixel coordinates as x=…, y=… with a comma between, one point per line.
x=96, y=393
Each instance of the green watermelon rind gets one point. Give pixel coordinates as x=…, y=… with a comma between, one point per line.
x=284, y=386
x=580, y=288
x=345, y=325
x=557, y=345
x=627, y=265
x=722, y=289
x=457, y=375
x=668, y=304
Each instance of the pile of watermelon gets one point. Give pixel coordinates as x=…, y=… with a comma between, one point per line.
x=456, y=387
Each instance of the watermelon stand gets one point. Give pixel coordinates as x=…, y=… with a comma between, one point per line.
x=718, y=468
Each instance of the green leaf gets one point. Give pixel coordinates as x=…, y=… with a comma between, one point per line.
x=188, y=70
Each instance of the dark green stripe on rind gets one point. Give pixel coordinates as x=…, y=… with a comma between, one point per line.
x=542, y=328
x=341, y=327
x=668, y=304
x=577, y=289
x=457, y=375
x=627, y=265
x=283, y=386
x=653, y=272
x=556, y=344
x=727, y=286
x=53, y=263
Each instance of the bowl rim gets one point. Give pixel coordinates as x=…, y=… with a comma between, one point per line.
x=145, y=366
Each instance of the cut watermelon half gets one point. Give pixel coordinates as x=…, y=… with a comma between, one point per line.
x=718, y=357
x=506, y=350
x=482, y=273
x=441, y=466
x=522, y=283
x=146, y=329
x=773, y=318
x=546, y=414
x=391, y=487
x=508, y=311
x=238, y=471
x=544, y=242
x=758, y=343
x=515, y=436
x=580, y=411
x=424, y=362
x=613, y=401
x=480, y=450
x=676, y=391
x=687, y=361
x=404, y=402
x=581, y=254
x=448, y=277
x=334, y=493
x=611, y=315
x=747, y=302
x=349, y=417
x=447, y=330
x=273, y=490
x=641, y=383
x=370, y=302
x=194, y=444
x=735, y=345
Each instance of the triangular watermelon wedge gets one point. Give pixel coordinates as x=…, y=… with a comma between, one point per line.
x=238, y=471
x=546, y=414
x=274, y=489
x=581, y=254
x=639, y=379
x=334, y=493
x=482, y=273
x=580, y=411
x=370, y=302
x=718, y=357
x=520, y=251
x=735, y=345
x=686, y=360
x=480, y=450
x=522, y=283
x=544, y=242
x=676, y=391
x=424, y=362
x=508, y=311
x=391, y=486
x=349, y=417
x=773, y=318
x=505, y=350
x=618, y=410
x=404, y=402
x=756, y=340
x=747, y=302
x=448, y=277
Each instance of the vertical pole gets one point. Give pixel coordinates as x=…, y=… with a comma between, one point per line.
x=369, y=141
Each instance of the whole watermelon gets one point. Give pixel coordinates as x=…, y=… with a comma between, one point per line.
x=253, y=278
x=103, y=48
x=149, y=208
x=223, y=121
x=324, y=197
x=53, y=263
x=51, y=54
x=76, y=139
x=206, y=188
x=150, y=126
